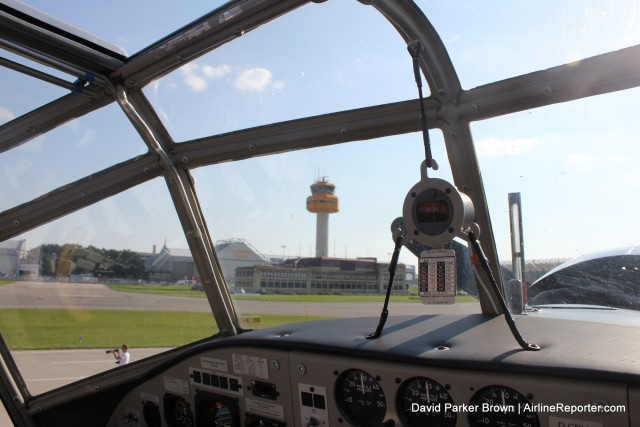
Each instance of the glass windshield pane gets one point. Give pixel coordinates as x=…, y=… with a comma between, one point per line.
x=313, y=222
x=311, y=61
x=495, y=40
x=72, y=151
x=21, y=93
x=262, y=213
x=573, y=165
x=97, y=279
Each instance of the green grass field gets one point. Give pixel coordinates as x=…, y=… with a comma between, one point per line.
x=24, y=328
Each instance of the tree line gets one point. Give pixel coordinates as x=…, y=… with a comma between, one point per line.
x=63, y=260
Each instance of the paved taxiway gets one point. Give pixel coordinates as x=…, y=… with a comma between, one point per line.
x=48, y=369
x=100, y=297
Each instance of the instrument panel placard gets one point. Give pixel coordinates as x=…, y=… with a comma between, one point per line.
x=250, y=365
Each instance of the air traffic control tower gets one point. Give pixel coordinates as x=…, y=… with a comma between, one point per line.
x=322, y=202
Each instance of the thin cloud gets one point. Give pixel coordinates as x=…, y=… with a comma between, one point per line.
x=279, y=85
x=216, y=72
x=6, y=115
x=193, y=78
x=496, y=147
x=197, y=77
x=257, y=79
x=86, y=140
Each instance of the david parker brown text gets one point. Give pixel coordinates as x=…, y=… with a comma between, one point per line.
x=520, y=408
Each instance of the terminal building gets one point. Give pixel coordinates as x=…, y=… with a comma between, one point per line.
x=172, y=265
x=15, y=261
x=244, y=267
x=321, y=275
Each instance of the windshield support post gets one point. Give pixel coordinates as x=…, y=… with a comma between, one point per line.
x=467, y=178
x=180, y=187
x=13, y=389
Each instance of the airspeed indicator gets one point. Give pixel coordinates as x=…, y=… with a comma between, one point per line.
x=360, y=398
x=424, y=402
x=501, y=406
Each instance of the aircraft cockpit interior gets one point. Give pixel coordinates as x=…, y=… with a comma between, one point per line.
x=321, y=213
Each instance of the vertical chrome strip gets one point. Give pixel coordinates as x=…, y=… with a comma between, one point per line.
x=187, y=206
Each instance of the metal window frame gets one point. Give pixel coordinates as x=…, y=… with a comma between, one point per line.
x=112, y=78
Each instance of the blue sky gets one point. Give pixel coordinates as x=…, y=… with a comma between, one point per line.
x=570, y=162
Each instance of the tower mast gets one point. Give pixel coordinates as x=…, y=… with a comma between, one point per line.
x=322, y=202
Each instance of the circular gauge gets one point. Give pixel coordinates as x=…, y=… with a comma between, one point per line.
x=177, y=411
x=502, y=406
x=360, y=398
x=423, y=402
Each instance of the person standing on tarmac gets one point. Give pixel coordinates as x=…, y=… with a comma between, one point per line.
x=122, y=358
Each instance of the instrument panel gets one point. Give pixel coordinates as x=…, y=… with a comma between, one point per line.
x=252, y=386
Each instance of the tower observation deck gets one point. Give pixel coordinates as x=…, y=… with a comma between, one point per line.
x=322, y=202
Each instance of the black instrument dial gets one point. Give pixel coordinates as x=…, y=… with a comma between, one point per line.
x=177, y=411
x=500, y=406
x=360, y=398
x=423, y=402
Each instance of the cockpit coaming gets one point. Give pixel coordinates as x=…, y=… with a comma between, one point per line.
x=502, y=365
